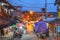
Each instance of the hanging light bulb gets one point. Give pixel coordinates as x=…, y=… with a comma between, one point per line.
x=31, y=12
x=2, y=4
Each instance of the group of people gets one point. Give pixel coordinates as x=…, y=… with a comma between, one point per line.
x=39, y=27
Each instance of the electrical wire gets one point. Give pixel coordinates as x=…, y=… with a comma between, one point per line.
x=34, y=3
x=29, y=3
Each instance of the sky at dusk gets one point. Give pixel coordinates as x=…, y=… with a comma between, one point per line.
x=34, y=5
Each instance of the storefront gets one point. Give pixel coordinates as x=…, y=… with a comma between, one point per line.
x=55, y=28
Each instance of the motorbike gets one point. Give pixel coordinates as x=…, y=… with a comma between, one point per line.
x=43, y=34
x=18, y=32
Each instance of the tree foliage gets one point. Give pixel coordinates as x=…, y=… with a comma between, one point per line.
x=57, y=2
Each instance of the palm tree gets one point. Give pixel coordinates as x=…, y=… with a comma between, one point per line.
x=57, y=2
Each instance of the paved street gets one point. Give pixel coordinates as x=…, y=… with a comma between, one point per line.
x=32, y=37
x=28, y=37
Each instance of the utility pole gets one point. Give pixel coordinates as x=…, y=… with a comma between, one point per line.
x=57, y=2
x=45, y=8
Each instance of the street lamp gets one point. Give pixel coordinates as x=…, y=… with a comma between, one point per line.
x=31, y=12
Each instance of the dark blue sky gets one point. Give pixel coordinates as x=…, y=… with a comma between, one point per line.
x=34, y=5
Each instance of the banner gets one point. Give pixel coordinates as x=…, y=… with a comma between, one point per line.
x=58, y=14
